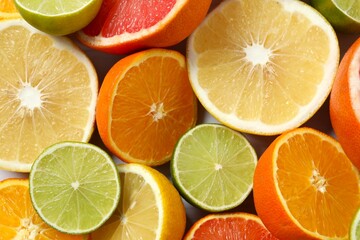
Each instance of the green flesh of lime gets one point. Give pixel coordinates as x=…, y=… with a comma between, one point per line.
x=74, y=187
x=350, y=7
x=58, y=17
x=343, y=15
x=213, y=167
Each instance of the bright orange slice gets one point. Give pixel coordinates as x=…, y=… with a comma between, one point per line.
x=237, y=225
x=18, y=219
x=306, y=187
x=8, y=10
x=145, y=104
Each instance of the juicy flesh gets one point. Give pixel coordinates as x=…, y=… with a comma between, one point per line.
x=322, y=198
x=153, y=107
x=7, y=6
x=54, y=7
x=350, y=7
x=253, y=63
x=215, y=166
x=232, y=228
x=44, y=96
x=137, y=216
x=79, y=196
x=18, y=219
x=129, y=16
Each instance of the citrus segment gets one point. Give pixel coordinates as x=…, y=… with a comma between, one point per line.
x=344, y=15
x=237, y=225
x=355, y=227
x=8, y=10
x=149, y=208
x=250, y=59
x=344, y=103
x=126, y=15
x=58, y=17
x=49, y=91
x=213, y=167
x=125, y=26
x=74, y=187
x=145, y=104
x=306, y=187
x=18, y=219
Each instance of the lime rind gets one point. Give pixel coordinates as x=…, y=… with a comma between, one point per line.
x=213, y=167
x=355, y=227
x=74, y=187
x=57, y=19
x=339, y=14
x=54, y=8
x=350, y=8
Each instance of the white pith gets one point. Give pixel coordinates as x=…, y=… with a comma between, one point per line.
x=318, y=181
x=27, y=230
x=257, y=54
x=157, y=111
x=30, y=97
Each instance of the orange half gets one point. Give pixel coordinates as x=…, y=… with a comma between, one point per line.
x=145, y=104
x=306, y=187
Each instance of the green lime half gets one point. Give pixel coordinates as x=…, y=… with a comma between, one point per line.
x=343, y=15
x=74, y=187
x=355, y=227
x=58, y=17
x=213, y=167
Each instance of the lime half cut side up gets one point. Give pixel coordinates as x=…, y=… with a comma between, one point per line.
x=213, y=167
x=74, y=187
x=58, y=17
x=343, y=15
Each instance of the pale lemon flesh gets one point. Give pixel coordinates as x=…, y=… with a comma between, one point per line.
x=263, y=66
x=49, y=91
